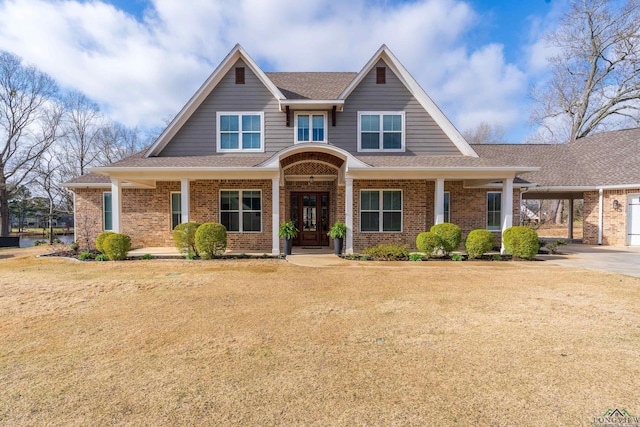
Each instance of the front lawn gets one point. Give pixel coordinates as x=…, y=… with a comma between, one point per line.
x=263, y=342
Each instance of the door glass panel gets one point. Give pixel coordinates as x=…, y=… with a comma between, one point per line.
x=294, y=210
x=325, y=212
x=309, y=206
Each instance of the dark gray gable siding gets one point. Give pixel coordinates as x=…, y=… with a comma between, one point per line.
x=198, y=135
x=423, y=135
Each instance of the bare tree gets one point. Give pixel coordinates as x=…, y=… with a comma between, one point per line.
x=29, y=123
x=47, y=177
x=595, y=80
x=485, y=133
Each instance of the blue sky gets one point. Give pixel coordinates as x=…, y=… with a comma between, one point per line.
x=142, y=60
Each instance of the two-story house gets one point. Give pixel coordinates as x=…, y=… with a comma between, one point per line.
x=252, y=149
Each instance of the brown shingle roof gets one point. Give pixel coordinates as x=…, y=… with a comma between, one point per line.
x=328, y=85
x=607, y=158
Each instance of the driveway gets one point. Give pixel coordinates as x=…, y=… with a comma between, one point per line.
x=623, y=260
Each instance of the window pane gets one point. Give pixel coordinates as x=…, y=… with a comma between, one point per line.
x=446, y=207
x=392, y=200
x=369, y=221
x=251, y=200
x=108, y=212
x=318, y=128
x=231, y=220
x=369, y=123
x=370, y=141
x=251, y=123
x=251, y=221
x=392, y=140
x=176, y=202
x=251, y=140
x=370, y=200
x=494, y=207
x=176, y=219
x=392, y=221
x=229, y=141
x=303, y=128
x=229, y=201
x=229, y=123
x=392, y=123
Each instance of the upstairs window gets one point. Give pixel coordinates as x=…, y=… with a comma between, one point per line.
x=311, y=127
x=381, y=131
x=240, y=132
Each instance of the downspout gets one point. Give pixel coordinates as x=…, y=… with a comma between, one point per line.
x=600, y=209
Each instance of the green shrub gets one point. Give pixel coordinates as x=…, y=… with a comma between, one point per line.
x=184, y=237
x=388, y=252
x=211, y=240
x=190, y=255
x=415, y=257
x=457, y=257
x=102, y=257
x=116, y=246
x=428, y=242
x=478, y=243
x=85, y=256
x=146, y=256
x=497, y=257
x=100, y=240
x=521, y=242
x=450, y=234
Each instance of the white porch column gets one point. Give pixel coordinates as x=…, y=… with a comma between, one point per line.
x=116, y=205
x=184, y=199
x=506, y=207
x=275, y=215
x=438, y=202
x=348, y=214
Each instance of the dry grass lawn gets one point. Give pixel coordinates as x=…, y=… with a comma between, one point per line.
x=267, y=343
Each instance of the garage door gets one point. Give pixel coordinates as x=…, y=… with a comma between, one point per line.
x=633, y=221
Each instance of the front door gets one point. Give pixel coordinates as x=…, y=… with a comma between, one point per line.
x=310, y=213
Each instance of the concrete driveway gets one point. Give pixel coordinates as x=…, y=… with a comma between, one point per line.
x=623, y=260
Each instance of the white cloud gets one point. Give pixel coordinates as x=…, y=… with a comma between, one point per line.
x=141, y=71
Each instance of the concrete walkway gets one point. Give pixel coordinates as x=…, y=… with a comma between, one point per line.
x=622, y=260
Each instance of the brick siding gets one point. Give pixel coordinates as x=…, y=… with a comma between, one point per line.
x=614, y=222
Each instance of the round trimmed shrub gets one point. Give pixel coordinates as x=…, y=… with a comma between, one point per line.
x=428, y=242
x=100, y=240
x=450, y=234
x=521, y=242
x=211, y=240
x=184, y=237
x=116, y=246
x=478, y=243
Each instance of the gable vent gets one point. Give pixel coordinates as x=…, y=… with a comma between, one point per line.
x=381, y=75
x=239, y=75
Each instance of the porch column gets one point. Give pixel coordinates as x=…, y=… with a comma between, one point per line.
x=570, y=219
x=184, y=199
x=506, y=207
x=275, y=215
x=348, y=214
x=438, y=202
x=116, y=205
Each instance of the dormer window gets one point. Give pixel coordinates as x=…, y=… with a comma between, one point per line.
x=239, y=75
x=311, y=127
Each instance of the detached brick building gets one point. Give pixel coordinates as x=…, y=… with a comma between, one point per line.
x=253, y=149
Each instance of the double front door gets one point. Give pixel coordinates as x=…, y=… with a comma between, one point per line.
x=310, y=213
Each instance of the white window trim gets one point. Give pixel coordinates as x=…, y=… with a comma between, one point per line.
x=171, y=208
x=240, y=211
x=444, y=212
x=486, y=205
x=381, y=149
x=104, y=212
x=381, y=210
x=310, y=114
x=240, y=149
